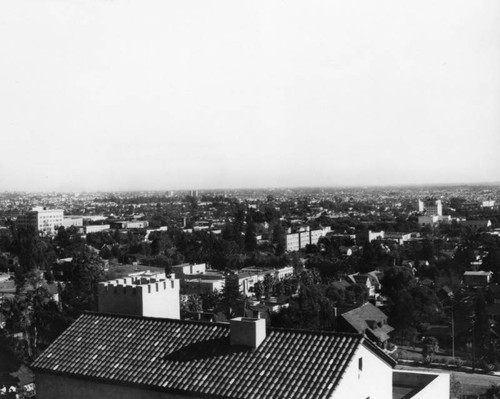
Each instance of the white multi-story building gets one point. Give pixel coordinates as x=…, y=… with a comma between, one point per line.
x=42, y=220
x=304, y=236
x=431, y=207
x=246, y=278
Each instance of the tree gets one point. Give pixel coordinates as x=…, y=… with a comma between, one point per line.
x=160, y=241
x=211, y=300
x=396, y=279
x=311, y=310
x=481, y=335
x=258, y=290
x=33, y=253
x=430, y=346
x=80, y=293
x=190, y=303
x=493, y=392
x=268, y=284
x=231, y=295
x=250, y=239
x=455, y=387
x=34, y=314
x=68, y=240
x=279, y=238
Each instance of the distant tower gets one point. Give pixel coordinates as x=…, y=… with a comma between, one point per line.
x=431, y=207
x=421, y=207
x=194, y=193
x=146, y=295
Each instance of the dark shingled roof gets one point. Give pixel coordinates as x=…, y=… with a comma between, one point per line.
x=366, y=317
x=195, y=357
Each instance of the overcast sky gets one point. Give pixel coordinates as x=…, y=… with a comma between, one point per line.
x=122, y=94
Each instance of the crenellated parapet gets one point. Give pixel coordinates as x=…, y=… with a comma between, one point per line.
x=155, y=296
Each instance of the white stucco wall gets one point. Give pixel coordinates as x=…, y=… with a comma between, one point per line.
x=155, y=299
x=374, y=381
x=161, y=299
x=120, y=299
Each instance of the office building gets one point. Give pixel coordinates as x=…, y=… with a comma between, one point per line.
x=41, y=219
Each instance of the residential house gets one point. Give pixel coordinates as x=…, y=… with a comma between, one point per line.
x=368, y=320
x=370, y=281
x=117, y=356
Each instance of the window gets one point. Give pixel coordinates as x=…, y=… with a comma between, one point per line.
x=360, y=364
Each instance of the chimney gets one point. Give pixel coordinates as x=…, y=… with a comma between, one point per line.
x=247, y=331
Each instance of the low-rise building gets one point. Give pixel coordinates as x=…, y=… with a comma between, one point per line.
x=368, y=320
x=428, y=220
x=203, y=285
x=188, y=270
x=69, y=221
x=477, y=278
x=246, y=278
x=95, y=228
x=129, y=224
x=477, y=224
x=142, y=294
x=197, y=279
x=488, y=204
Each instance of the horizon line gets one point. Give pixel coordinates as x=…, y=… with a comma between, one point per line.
x=356, y=186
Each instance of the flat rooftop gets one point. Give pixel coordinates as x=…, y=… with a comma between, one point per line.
x=406, y=385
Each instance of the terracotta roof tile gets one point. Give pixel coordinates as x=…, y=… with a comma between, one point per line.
x=196, y=357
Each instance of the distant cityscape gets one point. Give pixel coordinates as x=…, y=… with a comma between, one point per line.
x=388, y=292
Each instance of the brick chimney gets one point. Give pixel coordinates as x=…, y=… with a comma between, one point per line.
x=247, y=331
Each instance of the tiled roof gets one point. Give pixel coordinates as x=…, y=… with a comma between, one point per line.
x=196, y=357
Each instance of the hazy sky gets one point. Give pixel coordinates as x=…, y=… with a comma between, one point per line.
x=122, y=94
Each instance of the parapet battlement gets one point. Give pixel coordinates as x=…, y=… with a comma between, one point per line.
x=137, y=285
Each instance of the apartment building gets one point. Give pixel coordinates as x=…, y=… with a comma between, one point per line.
x=43, y=220
x=302, y=236
x=431, y=207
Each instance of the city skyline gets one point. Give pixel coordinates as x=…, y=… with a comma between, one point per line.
x=122, y=95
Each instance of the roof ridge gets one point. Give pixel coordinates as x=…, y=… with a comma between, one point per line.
x=375, y=348
x=163, y=319
x=322, y=332
x=222, y=324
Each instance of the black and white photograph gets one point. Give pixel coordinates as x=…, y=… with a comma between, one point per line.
x=233, y=199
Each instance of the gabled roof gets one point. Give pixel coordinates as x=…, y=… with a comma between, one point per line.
x=341, y=285
x=360, y=278
x=360, y=318
x=191, y=357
